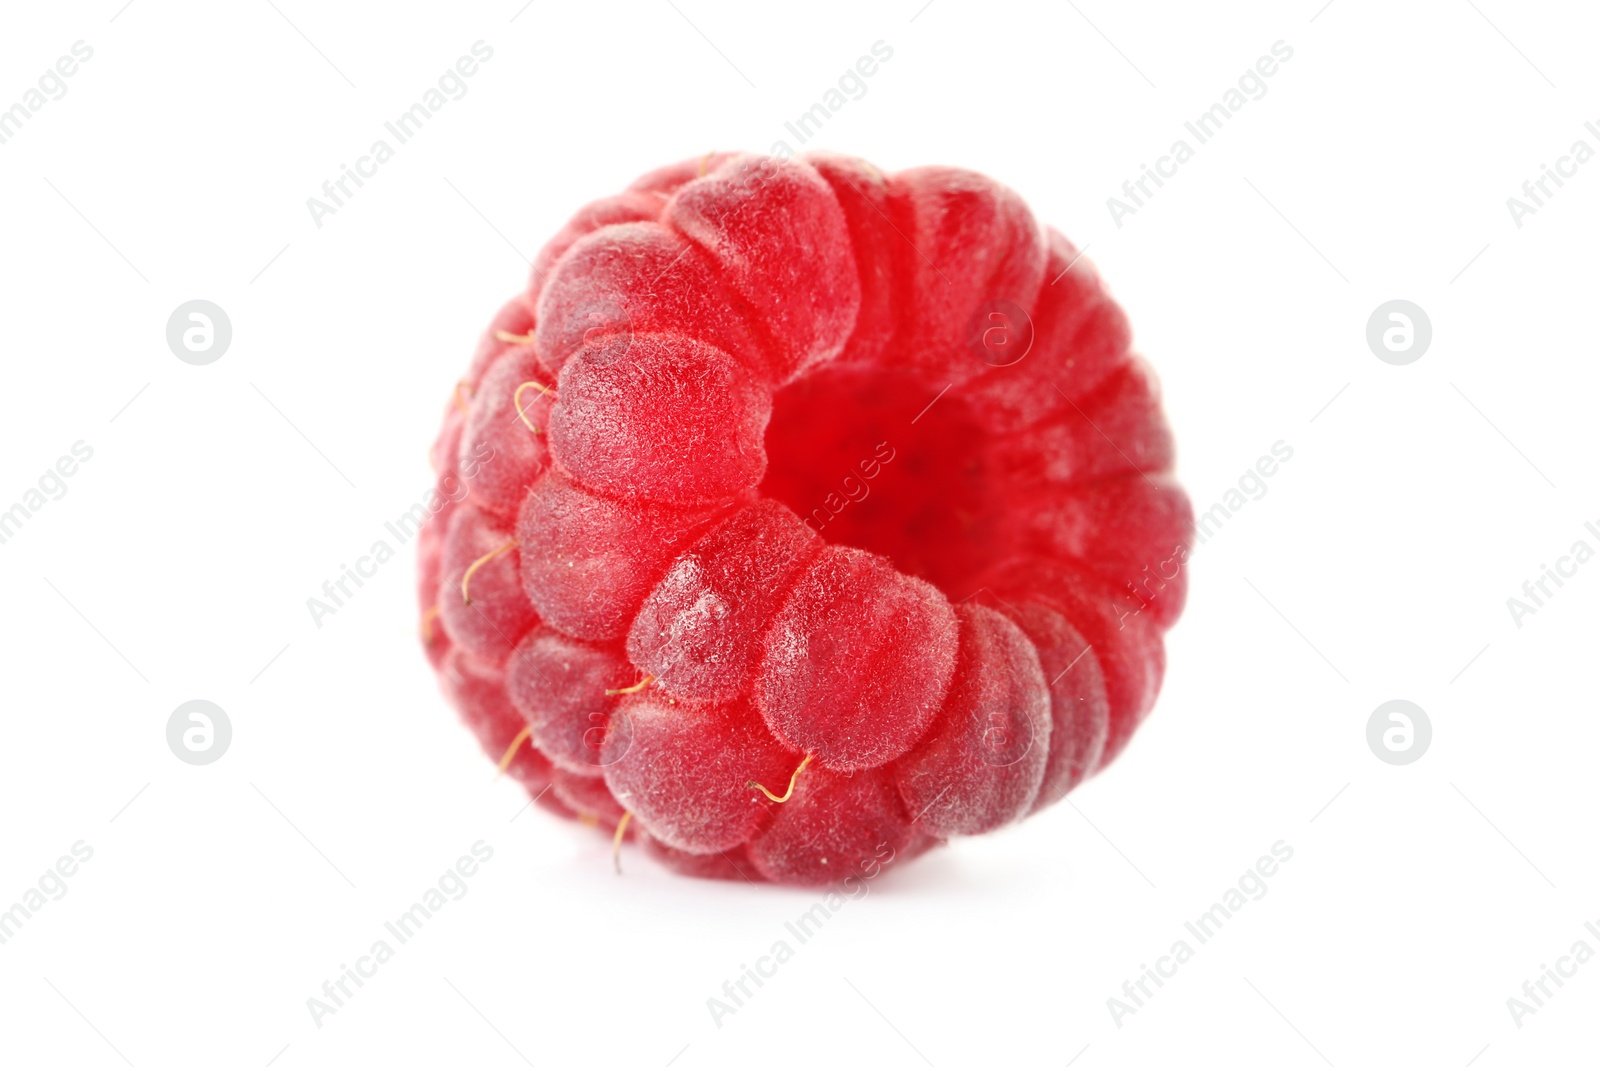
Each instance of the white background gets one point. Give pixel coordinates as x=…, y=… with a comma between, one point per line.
x=1377, y=566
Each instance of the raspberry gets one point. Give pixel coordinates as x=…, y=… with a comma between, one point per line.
x=797, y=518
x=673, y=421
x=981, y=765
x=833, y=827
x=588, y=560
x=559, y=686
x=505, y=437
x=683, y=768
x=480, y=564
x=731, y=864
x=638, y=279
x=857, y=660
x=700, y=630
x=779, y=237
x=478, y=689
x=976, y=241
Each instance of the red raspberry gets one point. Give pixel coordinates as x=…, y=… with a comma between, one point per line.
x=798, y=518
